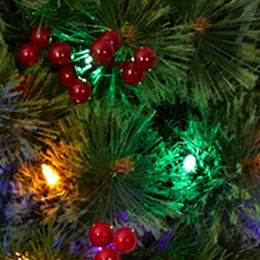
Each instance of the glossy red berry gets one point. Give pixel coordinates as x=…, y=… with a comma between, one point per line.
x=132, y=75
x=113, y=37
x=67, y=75
x=125, y=240
x=107, y=254
x=100, y=234
x=40, y=37
x=145, y=58
x=102, y=52
x=79, y=91
x=59, y=53
x=28, y=54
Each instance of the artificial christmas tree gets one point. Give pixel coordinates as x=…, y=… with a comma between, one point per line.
x=129, y=129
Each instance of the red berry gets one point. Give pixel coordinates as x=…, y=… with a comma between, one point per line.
x=145, y=58
x=79, y=91
x=107, y=254
x=113, y=37
x=125, y=240
x=132, y=75
x=67, y=75
x=59, y=53
x=40, y=37
x=28, y=54
x=100, y=234
x=102, y=52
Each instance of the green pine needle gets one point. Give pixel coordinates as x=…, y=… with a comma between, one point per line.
x=26, y=118
x=115, y=153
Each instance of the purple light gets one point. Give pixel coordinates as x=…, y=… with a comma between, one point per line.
x=58, y=242
x=5, y=186
x=96, y=249
x=77, y=245
x=122, y=216
x=253, y=225
x=164, y=241
x=249, y=222
x=6, y=171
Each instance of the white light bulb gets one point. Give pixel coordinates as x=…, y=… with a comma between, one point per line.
x=189, y=163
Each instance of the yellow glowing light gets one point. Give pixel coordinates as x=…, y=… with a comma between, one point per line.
x=51, y=176
x=21, y=257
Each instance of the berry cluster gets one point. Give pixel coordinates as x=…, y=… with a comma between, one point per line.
x=103, y=51
x=124, y=240
x=105, y=46
x=108, y=43
x=29, y=53
x=58, y=54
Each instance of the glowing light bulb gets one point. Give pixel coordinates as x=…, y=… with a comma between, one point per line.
x=50, y=175
x=88, y=60
x=189, y=163
x=21, y=257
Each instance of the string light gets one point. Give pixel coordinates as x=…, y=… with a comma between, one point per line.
x=189, y=163
x=21, y=257
x=50, y=174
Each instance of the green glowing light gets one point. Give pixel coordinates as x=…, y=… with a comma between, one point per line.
x=88, y=60
x=97, y=74
x=82, y=79
x=189, y=163
x=84, y=61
